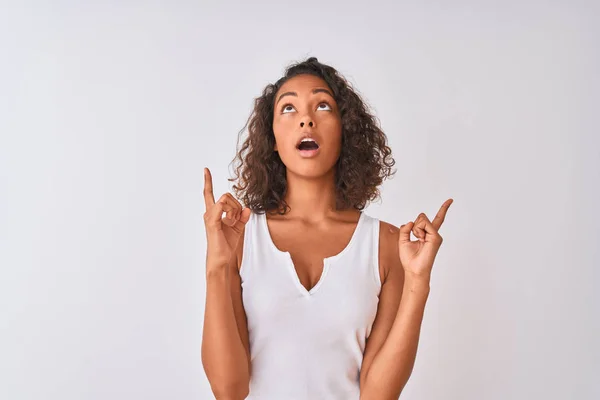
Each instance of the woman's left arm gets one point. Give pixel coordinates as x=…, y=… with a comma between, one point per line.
x=392, y=346
x=388, y=372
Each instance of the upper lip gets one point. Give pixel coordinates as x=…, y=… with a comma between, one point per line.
x=305, y=135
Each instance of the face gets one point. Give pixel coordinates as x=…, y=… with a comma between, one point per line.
x=305, y=108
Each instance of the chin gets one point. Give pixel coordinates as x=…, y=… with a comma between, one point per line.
x=310, y=170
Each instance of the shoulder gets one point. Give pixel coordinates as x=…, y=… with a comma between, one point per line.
x=239, y=248
x=389, y=257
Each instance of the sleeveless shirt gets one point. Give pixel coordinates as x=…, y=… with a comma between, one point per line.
x=308, y=344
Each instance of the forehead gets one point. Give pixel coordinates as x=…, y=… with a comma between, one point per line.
x=303, y=84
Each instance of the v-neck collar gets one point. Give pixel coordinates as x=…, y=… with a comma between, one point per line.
x=326, y=261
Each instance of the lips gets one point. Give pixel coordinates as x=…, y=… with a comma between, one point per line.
x=309, y=153
x=307, y=143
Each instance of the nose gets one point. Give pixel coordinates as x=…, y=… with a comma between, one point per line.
x=306, y=121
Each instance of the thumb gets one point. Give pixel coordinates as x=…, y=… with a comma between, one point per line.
x=238, y=226
x=405, y=229
x=245, y=216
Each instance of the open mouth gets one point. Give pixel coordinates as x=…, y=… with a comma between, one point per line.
x=307, y=144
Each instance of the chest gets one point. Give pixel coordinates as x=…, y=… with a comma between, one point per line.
x=308, y=246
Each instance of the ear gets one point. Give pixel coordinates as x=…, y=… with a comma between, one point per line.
x=275, y=147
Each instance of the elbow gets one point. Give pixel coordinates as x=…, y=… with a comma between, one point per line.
x=229, y=388
x=225, y=383
x=379, y=390
x=238, y=391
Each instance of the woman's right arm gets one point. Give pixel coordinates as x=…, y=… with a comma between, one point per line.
x=224, y=355
x=225, y=349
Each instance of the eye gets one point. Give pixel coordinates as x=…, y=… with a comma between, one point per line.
x=287, y=108
x=324, y=104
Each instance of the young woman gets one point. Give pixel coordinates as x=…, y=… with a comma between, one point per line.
x=307, y=296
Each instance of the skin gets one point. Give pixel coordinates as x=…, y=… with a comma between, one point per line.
x=303, y=105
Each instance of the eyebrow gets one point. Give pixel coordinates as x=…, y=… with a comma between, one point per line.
x=314, y=91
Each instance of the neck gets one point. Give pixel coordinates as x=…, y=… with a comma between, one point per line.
x=311, y=199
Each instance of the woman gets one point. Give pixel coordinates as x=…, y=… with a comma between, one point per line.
x=307, y=296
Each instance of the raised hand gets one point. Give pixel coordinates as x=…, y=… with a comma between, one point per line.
x=222, y=234
x=417, y=256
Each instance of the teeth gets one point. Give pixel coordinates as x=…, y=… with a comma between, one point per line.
x=307, y=140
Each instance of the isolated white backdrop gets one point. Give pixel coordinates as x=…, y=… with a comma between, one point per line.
x=108, y=113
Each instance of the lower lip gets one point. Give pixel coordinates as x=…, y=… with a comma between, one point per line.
x=309, y=153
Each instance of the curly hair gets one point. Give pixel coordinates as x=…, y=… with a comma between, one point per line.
x=364, y=162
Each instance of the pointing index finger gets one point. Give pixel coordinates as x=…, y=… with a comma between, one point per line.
x=441, y=215
x=209, y=198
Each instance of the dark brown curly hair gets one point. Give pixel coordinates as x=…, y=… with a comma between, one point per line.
x=364, y=162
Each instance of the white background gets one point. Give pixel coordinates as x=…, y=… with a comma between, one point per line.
x=109, y=112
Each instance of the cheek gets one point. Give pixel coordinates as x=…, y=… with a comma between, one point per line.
x=331, y=129
x=283, y=124
x=281, y=129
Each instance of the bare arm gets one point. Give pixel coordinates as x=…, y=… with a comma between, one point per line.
x=225, y=354
x=392, y=346
x=391, y=355
x=393, y=364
